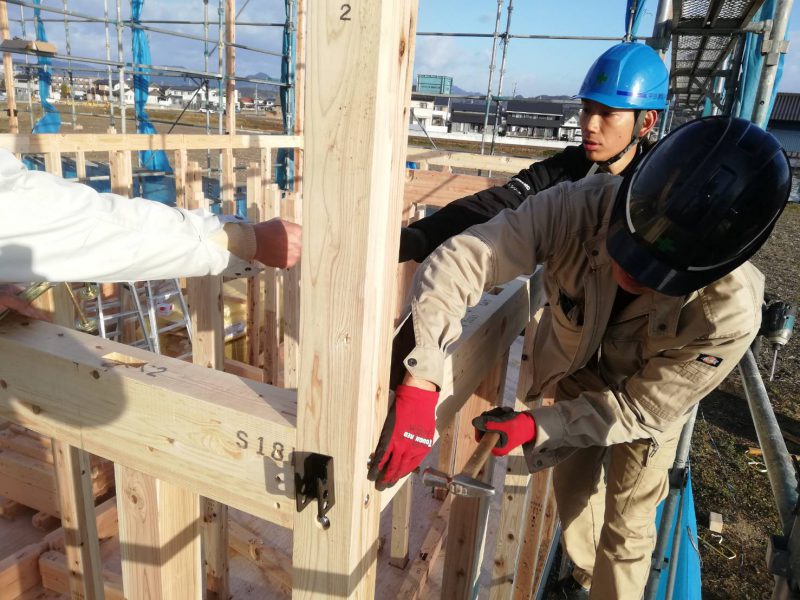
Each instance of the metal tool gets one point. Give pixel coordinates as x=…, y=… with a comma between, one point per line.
x=466, y=482
x=777, y=327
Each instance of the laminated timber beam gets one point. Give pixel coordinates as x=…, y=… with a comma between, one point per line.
x=467, y=160
x=207, y=431
x=358, y=81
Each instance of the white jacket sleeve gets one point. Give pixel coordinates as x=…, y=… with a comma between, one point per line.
x=55, y=230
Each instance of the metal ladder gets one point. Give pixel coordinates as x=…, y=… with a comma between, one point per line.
x=146, y=297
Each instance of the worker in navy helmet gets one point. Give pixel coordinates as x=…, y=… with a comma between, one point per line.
x=622, y=95
x=651, y=303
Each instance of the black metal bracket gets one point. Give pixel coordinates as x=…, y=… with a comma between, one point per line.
x=313, y=480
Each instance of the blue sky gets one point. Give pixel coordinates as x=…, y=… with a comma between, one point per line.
x=533, y=66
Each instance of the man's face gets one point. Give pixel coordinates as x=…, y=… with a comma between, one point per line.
x=606, y=131
x=626, y=282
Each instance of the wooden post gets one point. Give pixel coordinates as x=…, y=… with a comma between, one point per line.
x=465, y=532
x=180, y=164
x=228, y=182
x=401, y=515
x=273, y=295
x=359, y=58
x=8, y=68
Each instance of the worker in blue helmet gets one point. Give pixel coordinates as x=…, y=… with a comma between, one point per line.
x=651, y=303
x=621, y=95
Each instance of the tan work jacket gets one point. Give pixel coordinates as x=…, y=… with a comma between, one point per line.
x=633, y=376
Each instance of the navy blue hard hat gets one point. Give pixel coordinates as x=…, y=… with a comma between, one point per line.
x=700, y=203
x=628, y=75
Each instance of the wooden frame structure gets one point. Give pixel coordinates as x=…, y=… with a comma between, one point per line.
x=189, y=440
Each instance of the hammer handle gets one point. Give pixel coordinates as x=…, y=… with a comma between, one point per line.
x=481, y=454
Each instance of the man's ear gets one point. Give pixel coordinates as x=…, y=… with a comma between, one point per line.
x=650, y=120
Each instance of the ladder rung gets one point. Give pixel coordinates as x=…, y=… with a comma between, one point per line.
x=173, y=327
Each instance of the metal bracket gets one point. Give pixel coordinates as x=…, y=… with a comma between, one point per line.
x=313, y=480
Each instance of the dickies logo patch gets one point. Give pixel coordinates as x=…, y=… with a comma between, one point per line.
x=712, y=361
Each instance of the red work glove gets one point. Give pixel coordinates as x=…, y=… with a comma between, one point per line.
x=515, y=428
x=407, y=435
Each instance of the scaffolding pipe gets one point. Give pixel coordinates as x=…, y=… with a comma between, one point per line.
x=206, y=54
x=733, y=78
x=780, y=469
x=662, y=28
x=523, y=36
x=27, y=69
x=491, y=73
x=69, y=69
x=120, y=70
x=155, y=21
x=677, y=481
x=108, y=58
x=772, y=49
x=505, y=38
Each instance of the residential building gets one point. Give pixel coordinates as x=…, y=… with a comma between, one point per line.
x=430, y=113
x=468, y=116
x=534, y=118
x=784, y=122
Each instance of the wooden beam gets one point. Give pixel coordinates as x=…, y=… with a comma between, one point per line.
x=275, y=564
x=359, y=58
x=19, y=572
x=98, y=142
x=8, y=72
x=159, y=535
x=203, y=429
x=467, y=526
x=439, y=189
x=468, y=160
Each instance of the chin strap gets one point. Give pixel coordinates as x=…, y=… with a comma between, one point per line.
x=635, y=139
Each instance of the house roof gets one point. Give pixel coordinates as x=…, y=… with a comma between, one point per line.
x=470, y=117
x=536, y=106
x=531, y=122
x=786, y=108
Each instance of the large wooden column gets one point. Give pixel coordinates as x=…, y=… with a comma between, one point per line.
x=358, y=72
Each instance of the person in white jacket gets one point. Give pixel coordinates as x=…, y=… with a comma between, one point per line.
x=52, y=229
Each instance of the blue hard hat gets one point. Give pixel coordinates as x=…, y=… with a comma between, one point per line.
x=628, y=75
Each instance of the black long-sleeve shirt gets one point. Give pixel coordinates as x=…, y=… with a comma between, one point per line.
x=570, y=164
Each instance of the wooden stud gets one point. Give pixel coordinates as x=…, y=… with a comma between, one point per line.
x=401, y=514
x=420, y=568
x=8, y=72
x=80, y=165
x=180, y=165
x=255, y=293
x=52, y=164
x=208, y=350
x=466, y=529
x=350, y=202
x=291, y=306
x=228, y=182
x=121, y=172
x=299, y=90
x=273, y=300
x=73, y=481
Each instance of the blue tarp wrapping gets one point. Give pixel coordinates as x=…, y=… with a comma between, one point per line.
x=285, y=170
x=687, y=580
x=638, y=8
x=752, y=63
x=51, y=120
x=157, y=187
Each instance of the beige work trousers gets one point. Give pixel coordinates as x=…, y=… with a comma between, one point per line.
x=607, y=499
